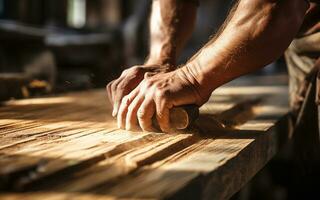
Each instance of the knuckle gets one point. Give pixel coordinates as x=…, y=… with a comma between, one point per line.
x=121, y=86
x=161, y=94
x=121, y=93
x=135, y=70
x=131, y=108
x=108, y=87
x=141, y=114
x=124, y=72
x=148, y=75
x=160, y=115
x=125, y=100
x=148, y=83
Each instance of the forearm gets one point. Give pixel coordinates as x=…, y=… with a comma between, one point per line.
x=257, y=33
x=171, y=25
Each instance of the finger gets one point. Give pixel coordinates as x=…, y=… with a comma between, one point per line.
x=145, y=114
x=108, y=89
x=123, y=109
x=116, y=95
x=114, y=86
x=131, y=119
x=122, y=112
x=162, y=114
x=116, y=104
x=163, y=120
x=149, y=74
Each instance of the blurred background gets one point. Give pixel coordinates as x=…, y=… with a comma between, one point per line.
x=53, y=46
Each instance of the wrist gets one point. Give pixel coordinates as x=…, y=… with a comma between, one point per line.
x=195, y=78
x=206, y=81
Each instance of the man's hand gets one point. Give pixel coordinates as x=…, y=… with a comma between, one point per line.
x=171, y=25
x=156, y=95
x=130, y=79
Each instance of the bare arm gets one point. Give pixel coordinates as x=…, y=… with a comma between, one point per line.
x=258, y=33
x=171, y=25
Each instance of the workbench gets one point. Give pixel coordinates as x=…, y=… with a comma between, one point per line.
x=68, y=146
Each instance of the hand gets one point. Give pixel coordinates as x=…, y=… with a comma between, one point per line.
x=130, y=79
x=156, y=95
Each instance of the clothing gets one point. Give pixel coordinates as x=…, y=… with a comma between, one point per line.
x=301, y=57
x=303, y=61
x=311, y=22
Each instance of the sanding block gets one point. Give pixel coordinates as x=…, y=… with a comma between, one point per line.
x=181, y=117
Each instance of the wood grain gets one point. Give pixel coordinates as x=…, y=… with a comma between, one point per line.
x=67, y=147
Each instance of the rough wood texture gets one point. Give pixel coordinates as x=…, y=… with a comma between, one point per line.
x=67, y=147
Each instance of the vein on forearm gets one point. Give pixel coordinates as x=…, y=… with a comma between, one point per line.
x=171, y=25
x=256, y=34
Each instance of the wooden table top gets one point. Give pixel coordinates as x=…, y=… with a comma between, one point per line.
x=68, y=147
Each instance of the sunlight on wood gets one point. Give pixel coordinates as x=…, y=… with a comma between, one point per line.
x=39, y=101
x=72, y=144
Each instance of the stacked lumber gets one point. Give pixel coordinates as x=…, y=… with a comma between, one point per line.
x=68, y=147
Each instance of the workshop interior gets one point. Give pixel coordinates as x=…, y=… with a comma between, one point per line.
x=55, y=47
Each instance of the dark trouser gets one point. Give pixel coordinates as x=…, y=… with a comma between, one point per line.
x=304, y=83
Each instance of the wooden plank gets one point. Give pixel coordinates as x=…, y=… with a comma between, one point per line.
x=219, y=168
x=54, y=196
x=68, y=147
x=37, y=134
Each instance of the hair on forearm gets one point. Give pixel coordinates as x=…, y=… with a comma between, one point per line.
x=216, y=35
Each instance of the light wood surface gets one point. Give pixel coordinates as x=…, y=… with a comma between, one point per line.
x=68, y=147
